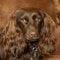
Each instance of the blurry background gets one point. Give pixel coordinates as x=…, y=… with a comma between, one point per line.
x=52, y=7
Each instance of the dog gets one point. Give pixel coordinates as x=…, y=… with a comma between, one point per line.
x=29, y=35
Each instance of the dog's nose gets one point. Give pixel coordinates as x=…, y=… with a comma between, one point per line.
x=33, y=34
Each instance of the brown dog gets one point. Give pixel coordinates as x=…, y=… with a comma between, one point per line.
x=29, y=36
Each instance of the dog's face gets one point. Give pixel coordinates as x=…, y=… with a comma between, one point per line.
x=30, y=23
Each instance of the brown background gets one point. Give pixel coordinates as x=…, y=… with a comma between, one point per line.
x=7, y=7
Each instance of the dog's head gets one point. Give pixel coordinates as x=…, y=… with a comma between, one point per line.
x=34, y=23
x=31, y=22
x=37, y=27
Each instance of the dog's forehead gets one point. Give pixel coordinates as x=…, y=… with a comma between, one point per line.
x=28, y=13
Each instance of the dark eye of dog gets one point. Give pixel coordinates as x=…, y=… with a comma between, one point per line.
x=24, y=20
x=35, y=17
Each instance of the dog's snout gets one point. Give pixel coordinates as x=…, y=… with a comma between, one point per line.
x=32, y=33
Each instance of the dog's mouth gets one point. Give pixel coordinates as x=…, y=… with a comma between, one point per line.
x=33, y=45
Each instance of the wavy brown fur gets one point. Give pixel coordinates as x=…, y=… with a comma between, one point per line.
x=14, y=45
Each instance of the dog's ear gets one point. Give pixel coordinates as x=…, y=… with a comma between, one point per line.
x=11, y=24
x=47, y=33
x=10, y=27
x=50, y=24
x=47, y=22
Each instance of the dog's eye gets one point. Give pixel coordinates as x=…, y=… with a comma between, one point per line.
x=24, y=20
x=36, y=18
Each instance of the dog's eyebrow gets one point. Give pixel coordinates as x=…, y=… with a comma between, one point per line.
x=19, y=14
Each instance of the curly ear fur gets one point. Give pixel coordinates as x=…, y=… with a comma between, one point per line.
x=12, y=40
x=47, y=33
